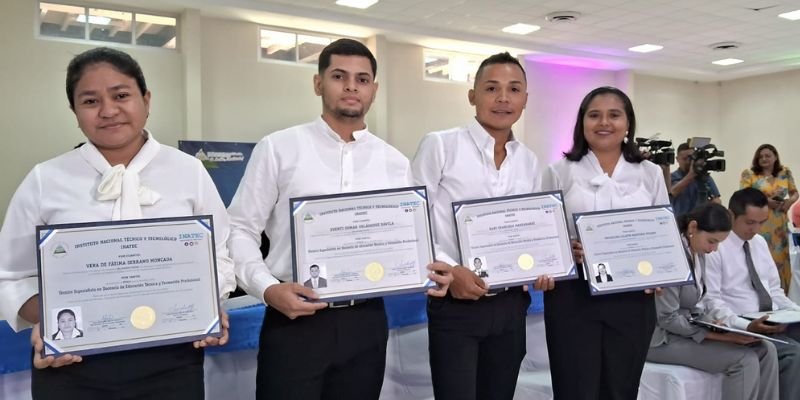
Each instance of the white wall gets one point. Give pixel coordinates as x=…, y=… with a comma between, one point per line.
x=554, y=94
x=244, y=99
x=35, y=121
x=757, y=110
x=417, y=106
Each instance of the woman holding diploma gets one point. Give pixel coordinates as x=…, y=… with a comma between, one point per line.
x=598, y=344
x=750, y=365
x=122, y=172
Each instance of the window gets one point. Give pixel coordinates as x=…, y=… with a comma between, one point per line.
x=103, y=25
x=292, y=47
x=450, y=66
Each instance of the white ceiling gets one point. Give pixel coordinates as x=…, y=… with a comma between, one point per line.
x=599, y=38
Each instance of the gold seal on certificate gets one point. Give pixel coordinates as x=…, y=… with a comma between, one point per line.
x=143, y=317
x=525, y=261
x=509, y=241
x=374, y=271
x=645, y=268
x=362, y=244
x=642, y=244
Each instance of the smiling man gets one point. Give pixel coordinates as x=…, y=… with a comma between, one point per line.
x=315, y=350
x=476, y=335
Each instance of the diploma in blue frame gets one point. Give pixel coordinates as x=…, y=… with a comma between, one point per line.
x=363, y=244
x=632, y=249
x=121, y=285
x=511, y=240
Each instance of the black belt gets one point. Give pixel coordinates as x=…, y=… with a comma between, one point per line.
x=346, y=303
x=496, y=291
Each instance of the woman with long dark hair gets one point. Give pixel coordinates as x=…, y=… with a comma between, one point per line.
x=598, y=344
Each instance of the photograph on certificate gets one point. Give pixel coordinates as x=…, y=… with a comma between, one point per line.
x=513, y=239
x=113, y=286
x=479, y=267
x=317, y=276
x=602, y=272
x=68, y=323
x=632, y=249
x=360, y=245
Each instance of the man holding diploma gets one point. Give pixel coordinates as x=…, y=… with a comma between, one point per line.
x=310, y=349
x=477, y=336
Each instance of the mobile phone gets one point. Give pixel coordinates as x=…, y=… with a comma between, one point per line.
x=778, y=198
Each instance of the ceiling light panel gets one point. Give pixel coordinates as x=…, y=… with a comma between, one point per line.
x=521, y=29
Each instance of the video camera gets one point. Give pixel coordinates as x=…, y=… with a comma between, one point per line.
x=661, y=151
x=706, y=156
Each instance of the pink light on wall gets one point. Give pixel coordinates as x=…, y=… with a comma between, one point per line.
x=556, y=86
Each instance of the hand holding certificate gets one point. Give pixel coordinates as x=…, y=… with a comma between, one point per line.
x=722, y=328
x=365, y=244
x=776, y=317
x=112, y=286
x=632, y=249
x=512, y=240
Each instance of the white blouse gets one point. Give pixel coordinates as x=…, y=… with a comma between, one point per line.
x=65, y=190
x=587, y=188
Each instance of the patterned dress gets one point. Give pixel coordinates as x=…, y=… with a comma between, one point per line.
x=775, y=230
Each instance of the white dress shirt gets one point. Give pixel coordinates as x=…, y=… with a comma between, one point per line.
x=730, y=292
x=63, y=190
x=458, y=164
x=304, y=160
x=587, y=188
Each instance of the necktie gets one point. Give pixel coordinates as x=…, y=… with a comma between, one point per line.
x=764, y=300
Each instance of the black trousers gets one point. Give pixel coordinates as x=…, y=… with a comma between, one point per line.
x=597, y=344
x=336, y=353
x=168, y=372
x=476, y=347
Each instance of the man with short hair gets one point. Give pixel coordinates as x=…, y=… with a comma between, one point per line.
x=315, y=281
x=476, y=335
x=741, y=278
x=308, y=349
x=689, y=190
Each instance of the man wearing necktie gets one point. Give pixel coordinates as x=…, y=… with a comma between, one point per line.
x=742, y=278
x=315, y=282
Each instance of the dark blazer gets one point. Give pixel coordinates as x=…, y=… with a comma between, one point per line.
x=608, y=278
x=322, y=282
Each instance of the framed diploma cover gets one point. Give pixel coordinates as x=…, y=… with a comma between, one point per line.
x=121, y=285
x=363, y=244
x=632, y=249
x=511, y=240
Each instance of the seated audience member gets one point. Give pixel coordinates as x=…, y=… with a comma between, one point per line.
x=741, y=278
x=750, y=365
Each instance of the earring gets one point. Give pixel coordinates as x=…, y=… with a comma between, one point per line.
x=625, y=139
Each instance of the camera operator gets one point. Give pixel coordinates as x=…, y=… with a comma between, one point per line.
x=690, y=189
x=660, y=153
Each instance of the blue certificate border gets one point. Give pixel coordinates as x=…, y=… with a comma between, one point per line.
x=421, y=191
x=558, y=195
x=593, y=289
x=49, y=229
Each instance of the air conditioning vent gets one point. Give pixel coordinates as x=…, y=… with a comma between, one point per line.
x=725, y=46
x=562, y=16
